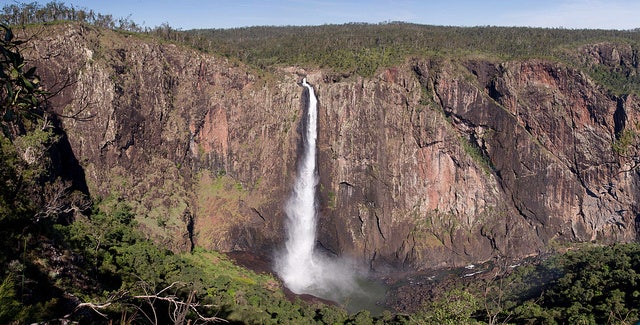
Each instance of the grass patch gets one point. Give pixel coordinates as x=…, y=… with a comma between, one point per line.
x=476, y=154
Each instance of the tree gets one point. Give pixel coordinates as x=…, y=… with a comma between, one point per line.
x=9, y=305
x=21, y=97
x=626, y=147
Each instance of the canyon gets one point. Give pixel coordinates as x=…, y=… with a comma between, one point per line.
x=436, y=162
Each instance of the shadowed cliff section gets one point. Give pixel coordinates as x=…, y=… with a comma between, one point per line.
x=432, y=162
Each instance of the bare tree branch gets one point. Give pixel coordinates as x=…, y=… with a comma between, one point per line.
x=178, y=309
x=96, y=306
x=93, y=306
x=60, y=200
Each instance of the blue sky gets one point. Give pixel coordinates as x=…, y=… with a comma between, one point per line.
x=188, y=14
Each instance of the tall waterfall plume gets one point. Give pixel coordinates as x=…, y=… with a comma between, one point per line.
x=301, y=267
x=298, y=264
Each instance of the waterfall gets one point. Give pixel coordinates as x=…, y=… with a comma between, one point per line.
x=298, y=266
x=303, y=269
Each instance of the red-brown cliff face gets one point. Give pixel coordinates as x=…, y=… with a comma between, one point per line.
x=200, y=147
x=432, y=163
x=492, y=158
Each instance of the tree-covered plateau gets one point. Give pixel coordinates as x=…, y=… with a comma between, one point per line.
x=361, y=49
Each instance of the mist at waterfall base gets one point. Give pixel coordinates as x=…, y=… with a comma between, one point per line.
x=303, y=269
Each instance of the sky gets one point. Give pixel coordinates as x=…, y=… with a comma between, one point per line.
x=190, y=14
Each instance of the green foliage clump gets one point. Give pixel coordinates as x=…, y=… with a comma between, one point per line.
x=471, y=147
x=111, y=245
x=9, y=303
x=54, y=11
x=12, y=207
x=456, y=306
x=626, y=141
x=595, y=285
x=618, y=79
x=21, y=96
x=591, y=285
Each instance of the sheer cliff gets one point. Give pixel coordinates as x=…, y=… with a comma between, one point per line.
x=431, y=163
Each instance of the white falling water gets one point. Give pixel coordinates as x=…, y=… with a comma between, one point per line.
x=298, y=265
x=302, y=269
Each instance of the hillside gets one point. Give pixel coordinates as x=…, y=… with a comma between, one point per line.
x=437, y=149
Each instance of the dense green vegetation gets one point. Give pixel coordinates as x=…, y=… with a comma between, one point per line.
x=596, y=285
x=114, y=273
x=588, y=285
x=327, y=45
x=128, y=268
x=361, y=49
x=591, y=285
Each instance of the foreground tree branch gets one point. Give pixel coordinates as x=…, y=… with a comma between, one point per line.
x=178, y=309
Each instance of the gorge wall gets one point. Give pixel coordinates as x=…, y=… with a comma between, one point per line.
x=436, y=162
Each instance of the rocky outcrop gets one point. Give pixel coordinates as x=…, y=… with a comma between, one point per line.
x=432, y=163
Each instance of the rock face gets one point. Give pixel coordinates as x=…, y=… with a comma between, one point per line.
x=433, y=163
x=200, y=146
x=456, y=162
